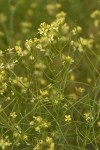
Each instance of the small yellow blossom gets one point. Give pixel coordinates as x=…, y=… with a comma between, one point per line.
x=52, y=8
x=3, y=88
x=31, y=123
x=19, y=50
x=38, y=119
x=69, y=59
x=25, y=137
x=37, y=129
x=17, y=135
x=49, y=140
x=76, y=30
x=88, y=116
x=95, y=14
x=4, y=143
x=13, y=115
x=67, y=118
x=73, y=96
x=98, y=123
x=80, y=89
x=28, y=44
x=89, y=80
x=72, y=77
x=43, y=92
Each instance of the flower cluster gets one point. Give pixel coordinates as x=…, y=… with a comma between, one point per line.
x=49, y=75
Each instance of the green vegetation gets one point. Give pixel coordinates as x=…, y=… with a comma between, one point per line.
x=49, y=75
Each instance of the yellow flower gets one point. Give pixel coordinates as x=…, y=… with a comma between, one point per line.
x=98, y=123
x=25, y=137
x=69, y=59
x=4, y=143
x=80, y=89
x=95, y=14
x=18, y=50
x=37, y=129
x=76, y=30
x=43, y=92
x=88, y=116
x=13, y=115
x=89, y=80
x=67, y=118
